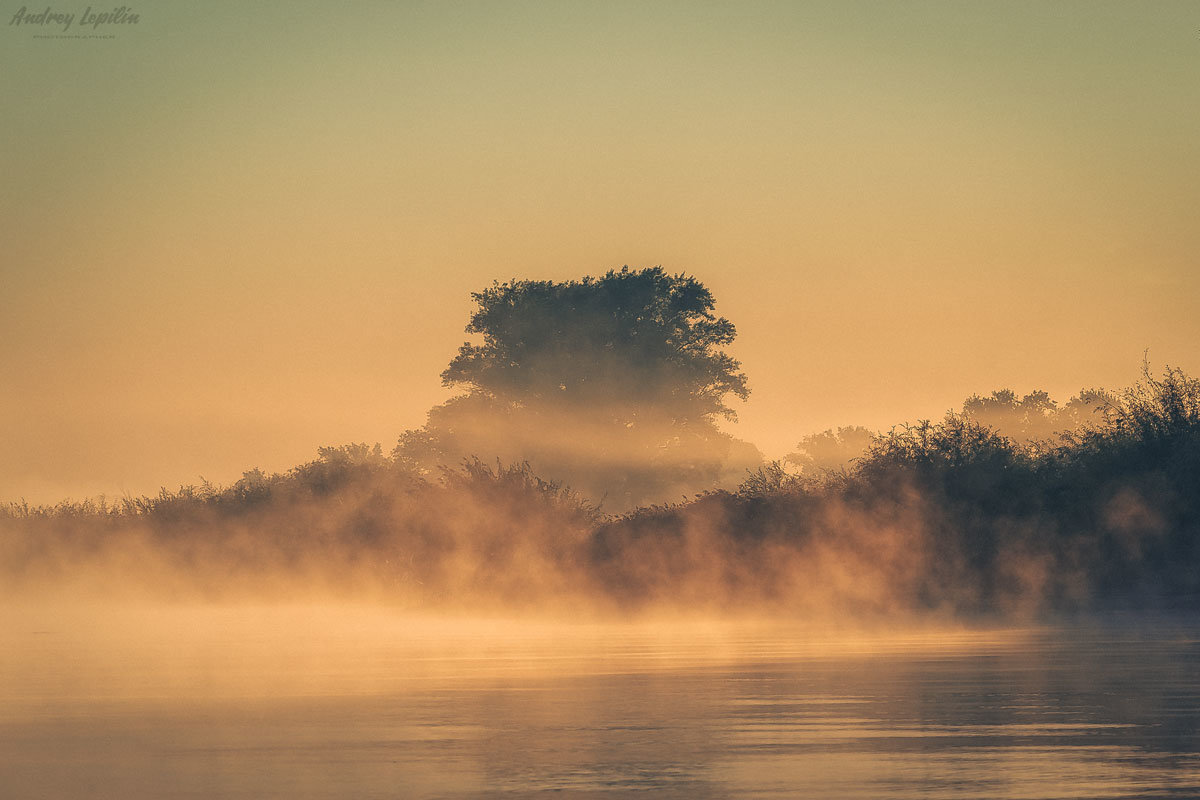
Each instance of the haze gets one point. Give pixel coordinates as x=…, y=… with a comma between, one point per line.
x=234, y=234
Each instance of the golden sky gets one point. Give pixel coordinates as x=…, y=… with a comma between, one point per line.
x=231, y=234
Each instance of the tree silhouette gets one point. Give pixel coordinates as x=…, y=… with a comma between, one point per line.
x=830, y=451
x=611, y=384
x=627, y=339
x=1035, y=417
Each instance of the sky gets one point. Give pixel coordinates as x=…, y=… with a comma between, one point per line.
x=231, y=233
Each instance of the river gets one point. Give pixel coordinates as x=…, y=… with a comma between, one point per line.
x=326, y=701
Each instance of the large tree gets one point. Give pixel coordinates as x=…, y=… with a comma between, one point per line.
x=613, y=384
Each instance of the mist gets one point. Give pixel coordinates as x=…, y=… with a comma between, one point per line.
x=938, y=521
x=582, y=470
x=574, y=577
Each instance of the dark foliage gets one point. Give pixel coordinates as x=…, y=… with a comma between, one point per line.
x=951, y=516
x=611, y=384
x=627, y=340
x=955, y=515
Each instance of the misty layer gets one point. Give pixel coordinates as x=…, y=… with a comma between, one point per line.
x=950, y=517
x=586, y=410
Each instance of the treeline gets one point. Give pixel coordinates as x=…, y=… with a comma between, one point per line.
x=952, y=516
x=352, y=521
x=955, y=515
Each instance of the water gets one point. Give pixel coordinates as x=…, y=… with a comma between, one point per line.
x=312, y=702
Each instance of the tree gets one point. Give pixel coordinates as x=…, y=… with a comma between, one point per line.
x=611, y=384
x=828, y=451
x=1035, y=418
x=630, y=338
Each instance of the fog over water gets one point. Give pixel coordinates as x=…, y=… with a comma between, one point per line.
x=335, y=700
x=956, y=612
x=699, y=400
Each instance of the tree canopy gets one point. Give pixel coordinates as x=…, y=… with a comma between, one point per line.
x=613, y=384
x=629, y=338
x=1035, y=417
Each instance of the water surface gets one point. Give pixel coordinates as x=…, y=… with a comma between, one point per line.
x=320, y=702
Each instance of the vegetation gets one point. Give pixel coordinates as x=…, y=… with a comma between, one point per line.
x=612, y=384
x=829, y=451
x=952, y=516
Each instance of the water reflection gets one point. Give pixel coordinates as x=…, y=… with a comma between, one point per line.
x=241, y=702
